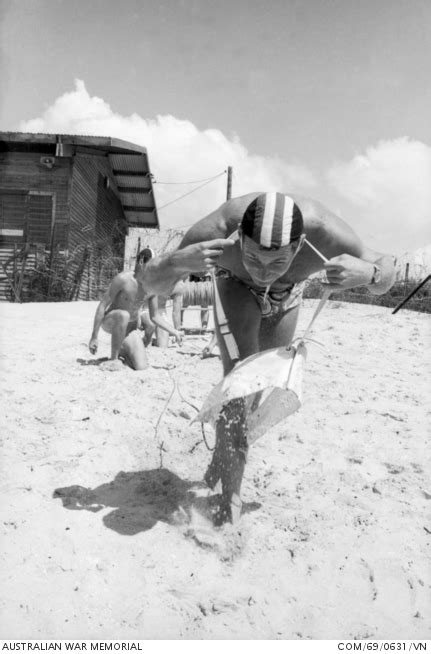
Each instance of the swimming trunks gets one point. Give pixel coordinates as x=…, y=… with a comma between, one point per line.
x=276, y=302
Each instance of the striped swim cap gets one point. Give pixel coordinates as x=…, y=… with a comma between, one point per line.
x=272, y=220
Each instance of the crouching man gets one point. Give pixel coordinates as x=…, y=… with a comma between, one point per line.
x=263, y=247
x=120, y=313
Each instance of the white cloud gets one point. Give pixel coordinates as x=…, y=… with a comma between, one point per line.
x=385, y=194
x=389, y=190
x=178, y=151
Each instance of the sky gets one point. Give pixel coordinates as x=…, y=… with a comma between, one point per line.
x=326, y=98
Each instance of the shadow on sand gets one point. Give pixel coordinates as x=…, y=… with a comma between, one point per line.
x=141, y=499
x=92, y=362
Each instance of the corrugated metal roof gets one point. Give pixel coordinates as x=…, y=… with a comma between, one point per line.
x=107, y=143
x=129, y=164
x=132, y=163
x=143, y=199
x=133, y=178
x=134, y=181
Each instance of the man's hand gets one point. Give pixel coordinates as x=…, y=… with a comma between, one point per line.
x=345, y=272
x=178, y=337
x=92, y=346
x=206, y=352
x=203, y=256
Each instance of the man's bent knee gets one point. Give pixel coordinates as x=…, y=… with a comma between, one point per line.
x=133, y=351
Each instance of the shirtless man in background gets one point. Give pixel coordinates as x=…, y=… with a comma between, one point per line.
x=120, y=314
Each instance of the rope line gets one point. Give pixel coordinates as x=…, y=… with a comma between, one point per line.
x=156, y=428
x=211, y=449
x=196, y=181
x=189, y=192
x=176, y=387
x=197, y=294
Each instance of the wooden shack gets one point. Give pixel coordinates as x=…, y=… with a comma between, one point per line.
x=66, y=204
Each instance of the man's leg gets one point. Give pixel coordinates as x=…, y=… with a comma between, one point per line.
x=115, y=323
x=230, y=459
x=205, y=314
x=162, y=336
x=230, y=453
x=148, y=326
x=177, y=311
x=125, y=339
x=278, y=330
x=133, y=351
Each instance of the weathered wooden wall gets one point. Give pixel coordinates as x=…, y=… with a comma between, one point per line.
x=73, y=205
x=24, y=171
x=35, y=203
x=97, y=223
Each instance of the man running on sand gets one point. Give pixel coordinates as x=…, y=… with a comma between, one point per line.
x=257, y=244
x=120, y=314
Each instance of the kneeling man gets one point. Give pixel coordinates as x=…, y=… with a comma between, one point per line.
x=120, y=313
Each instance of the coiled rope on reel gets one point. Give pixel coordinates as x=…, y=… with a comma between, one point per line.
x=197, y=294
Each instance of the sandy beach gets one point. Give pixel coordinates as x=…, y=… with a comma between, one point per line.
x=104, y=517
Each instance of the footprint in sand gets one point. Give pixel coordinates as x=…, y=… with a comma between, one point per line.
x=112, y=365
x=226, y=541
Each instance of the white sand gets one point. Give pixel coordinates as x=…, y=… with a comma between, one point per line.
x=333, y=543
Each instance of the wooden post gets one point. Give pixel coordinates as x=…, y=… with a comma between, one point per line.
x=22, y=272
x=406, y=278
x=15, y=268
x=51, y=261
x=138, y=249
x=229, y=183
x=74, y=295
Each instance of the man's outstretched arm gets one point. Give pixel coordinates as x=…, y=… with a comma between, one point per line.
x=162, y=273
x=374, y=270
x=114, y=288
x=98, y=319
x=351, y=263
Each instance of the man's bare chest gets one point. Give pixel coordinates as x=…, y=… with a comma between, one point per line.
x=131, y=297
